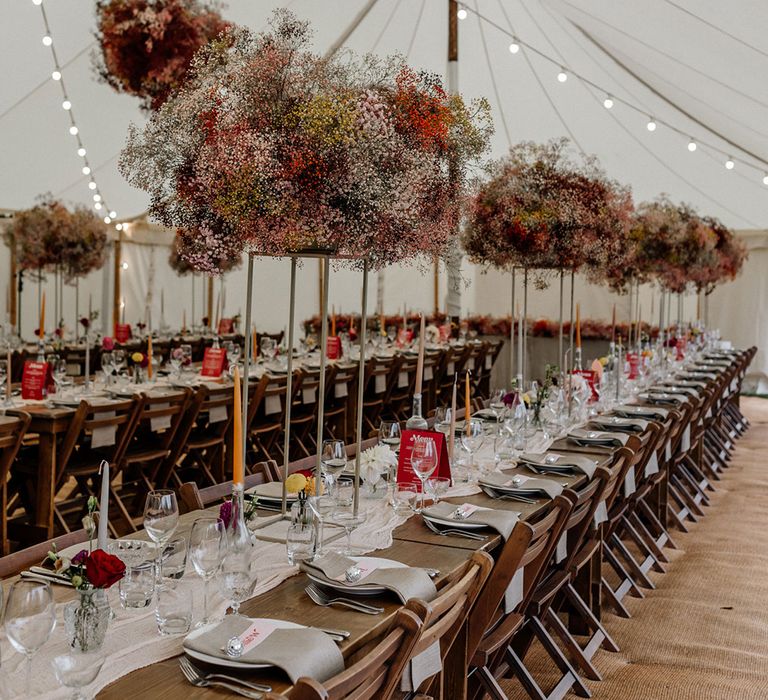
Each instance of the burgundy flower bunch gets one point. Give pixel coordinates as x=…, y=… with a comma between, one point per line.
x=199, y=251
x=541, y=209
x=270, y=149
x=146, y=46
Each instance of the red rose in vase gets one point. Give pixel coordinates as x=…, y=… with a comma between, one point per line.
x=107, y=344
x=103, y=569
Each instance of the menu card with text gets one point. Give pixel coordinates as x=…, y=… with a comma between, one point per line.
x=122, y=332
x=405, y=473
x=214, y=360
x=333, y=347
x=37, y=380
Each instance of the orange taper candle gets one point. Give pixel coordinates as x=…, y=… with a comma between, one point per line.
x=237, y=434
x=149, y=357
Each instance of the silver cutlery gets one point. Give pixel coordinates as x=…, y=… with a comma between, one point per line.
x=199, y=673
x=451, y=532
x=45, y=578
x=200, y=682
x=337, y=635
x=504, y=496
x=324, y=600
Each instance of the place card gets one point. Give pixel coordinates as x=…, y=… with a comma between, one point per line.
x=255, y=634
x=37, y=380
x=123, y=332
x=405, y=473
x=214, y=360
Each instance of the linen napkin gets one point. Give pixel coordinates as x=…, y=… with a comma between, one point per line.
x=503, y=521
x=676, y=389
x=406, y=582
x=632, y=425
x=662, y=397
x=524, y=485
x=597, y=437
x=634, y=410
x=298, y=652
x=543, y=462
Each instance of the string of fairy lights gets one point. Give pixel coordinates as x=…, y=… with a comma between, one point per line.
x=99, y=203
x=610, y=100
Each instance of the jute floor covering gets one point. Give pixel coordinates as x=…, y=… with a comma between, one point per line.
x=703, y=633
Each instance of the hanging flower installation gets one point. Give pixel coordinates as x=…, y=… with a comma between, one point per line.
x=190, y=252
x=49, y=237
x=147, y=45
x=540, y=209
x=271, y=150
x=730, y=256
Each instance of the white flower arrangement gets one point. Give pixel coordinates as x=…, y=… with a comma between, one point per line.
x=375, y=462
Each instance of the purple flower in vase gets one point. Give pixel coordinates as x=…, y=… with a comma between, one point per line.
x=80, y=557
x=225, y=513
x=511, y=399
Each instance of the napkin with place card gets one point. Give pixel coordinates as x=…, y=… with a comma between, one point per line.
x=503, y=521
x=600, y=438
x=500, y=483
x=636, y=411
x=662, y=397
x=554, y=463
x=298, y=652
x=616, y=423
x=406, y=582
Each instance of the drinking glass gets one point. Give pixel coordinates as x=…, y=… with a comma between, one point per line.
x=173, y=560
x=137, y=588
x=390, y=434
x=268, y=347
x=496, y=402
x=403, y=498
x=161, y=516
x=424, y=461
x=107, y=366
x=300, y=543
x=77, y=670
x=173, y=612
x=118, y=361
x=30, y=616
x=186, y=355
x=3, y=378
x=207, y=545
x=177, y=358
x=350, y=521
x=333, y=458
x=235, y=578
x=322, y=506
x=472, y=439
x=59, y=374
x=233, y=353
x=443, y=419
x=437, y=487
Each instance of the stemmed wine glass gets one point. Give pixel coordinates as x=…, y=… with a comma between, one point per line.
x=443, y=419
x=268, y=348
x=186, y=355
x=350, y=521
x=59, y=374
x=322, y=506
x=390, y=434
x=235, y=577
x=207, y=544
x=424, y=461
x=3, y=378
x=472, y=439
x=161, y=516
x=30, y=616
x=333, y=458
x=118, y=361
x=107, y=366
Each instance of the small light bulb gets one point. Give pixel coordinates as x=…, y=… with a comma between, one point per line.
x=113, y=214
x=765, y=179
x=81, y=152
x=73, y=130
x=124, y=266
x=608, y=102
x=97, y=206
x=97, y=197
x=462, y=13
x=37, y=2
x=691, y=145
x=514, y=47
x=729, y=164
x=651, y=125
x=107, y=220
x=47, y=41
x=119, y=227
x=66, y=104
x=56, y=75
x=562, y=76
x=91, y=185
x=86, y=170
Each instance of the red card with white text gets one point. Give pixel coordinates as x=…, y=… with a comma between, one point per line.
x=214, y=360
x=226, y=326
x=590, y=376
x=122, y=332
x=37, y=380
x=405, y=473
x=634, y=364
x=404, y=337
x=333, y=347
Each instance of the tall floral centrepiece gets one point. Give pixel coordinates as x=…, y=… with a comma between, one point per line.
x=270, y=149
x=542, y=209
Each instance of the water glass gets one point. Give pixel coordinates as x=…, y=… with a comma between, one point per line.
x=173, y=560
x=173, y=611
x=472, y=437
x=235, y=577
x=207, y=544
x=300, y=543
x=443, y=419
x=161, y=517
x=350, y=521
x=333, y=458
x=437, y=487
x=77, y=670
x=390, y=434
x=322, y=506
x=137, y=588
x=404, y=498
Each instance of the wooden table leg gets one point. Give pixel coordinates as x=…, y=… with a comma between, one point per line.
x=46, y=483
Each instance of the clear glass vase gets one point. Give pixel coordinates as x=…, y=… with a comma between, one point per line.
x=86, y=619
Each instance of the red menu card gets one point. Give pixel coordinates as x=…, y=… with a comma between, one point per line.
x=213, y=362
x=122, y=332
x=405, y=473
x=634, y=364
x=404, y=337
x=37, y=380
x=226, y=326
x=591, y=377
x=333, y=347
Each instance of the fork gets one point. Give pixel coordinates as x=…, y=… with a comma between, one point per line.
x=452, y=532
x=322, y=599
x=502, y=495
x=199, y=673
x=203, y=683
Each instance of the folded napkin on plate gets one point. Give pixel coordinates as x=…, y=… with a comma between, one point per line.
x=520, y=484
x=298, y=652
x=662, y=397
x=553, y=462
x=676, y=389
x=503, y=521
x=406, y=582
x=682, y=380
x=633, y=411
x=486, y=414
x=633, y=425
x=597, y=437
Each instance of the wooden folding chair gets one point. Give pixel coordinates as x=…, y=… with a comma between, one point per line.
x=13, y=428
x=341, y=403
x=401, y=397
x=304, y=411
x=266, y=418
x=380, y=377
x=14, y=564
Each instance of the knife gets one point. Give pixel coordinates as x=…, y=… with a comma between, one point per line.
x=341, y=634
x=45, y=579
